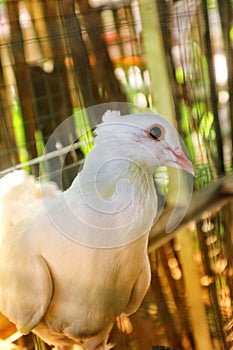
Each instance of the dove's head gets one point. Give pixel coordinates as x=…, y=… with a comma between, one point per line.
x=148, y=138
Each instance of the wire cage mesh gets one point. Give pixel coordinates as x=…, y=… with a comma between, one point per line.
x=60, y=56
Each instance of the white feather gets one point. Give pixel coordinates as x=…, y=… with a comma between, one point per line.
x=20, y=198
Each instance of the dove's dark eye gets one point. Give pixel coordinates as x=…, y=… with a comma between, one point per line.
x=156, y=132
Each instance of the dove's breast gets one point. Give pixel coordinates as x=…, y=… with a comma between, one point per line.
x=91, y=287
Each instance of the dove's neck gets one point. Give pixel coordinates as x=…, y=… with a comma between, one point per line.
x=115, y=170
x=116, y=195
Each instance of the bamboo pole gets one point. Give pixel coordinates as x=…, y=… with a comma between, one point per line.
x=198, y=320
x=36, y=10
x=103, y=66
x=161, y=91
x=8, y=150
x=225, y=13
x=156, y=60
x=22, y=77
x=79, y=54
x=213, y=89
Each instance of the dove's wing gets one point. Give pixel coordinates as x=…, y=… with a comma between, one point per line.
x=140, y=288
x=25, y=286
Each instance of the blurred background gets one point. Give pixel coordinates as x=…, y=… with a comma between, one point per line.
x=172, y=56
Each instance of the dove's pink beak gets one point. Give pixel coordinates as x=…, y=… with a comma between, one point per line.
x=182, y=161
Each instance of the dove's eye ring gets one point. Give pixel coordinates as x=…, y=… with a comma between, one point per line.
x=156, y=132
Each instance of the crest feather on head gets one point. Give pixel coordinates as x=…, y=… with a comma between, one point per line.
x=111, y=116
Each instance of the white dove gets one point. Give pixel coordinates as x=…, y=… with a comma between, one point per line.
x=69, y=271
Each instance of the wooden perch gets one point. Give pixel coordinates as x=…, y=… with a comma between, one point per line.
x=204, y=202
